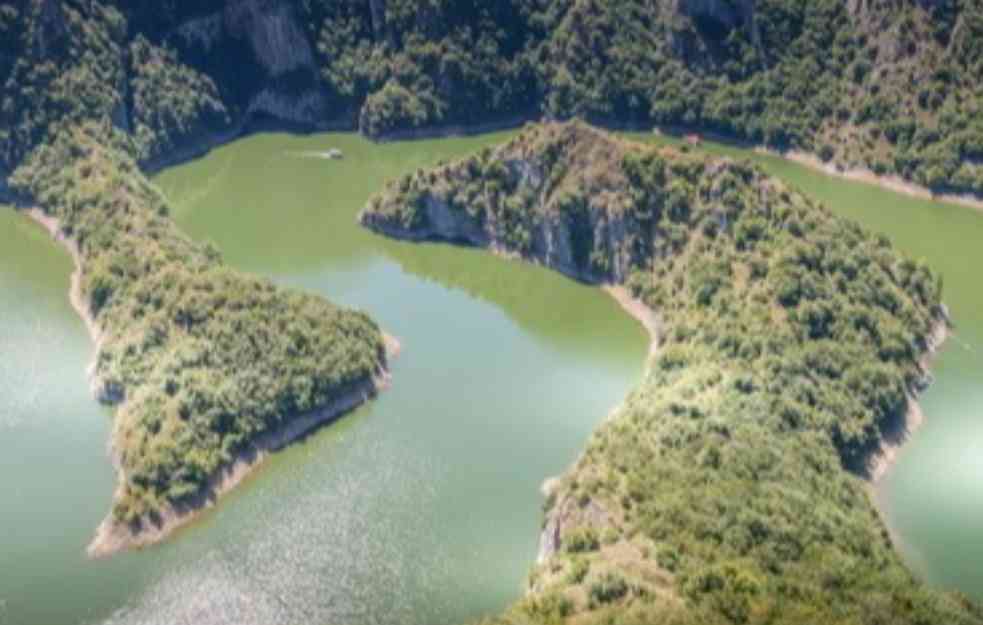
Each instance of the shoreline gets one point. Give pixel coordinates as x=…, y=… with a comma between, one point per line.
x=52, y=227
x=885, y=457
x=451, y=131
x=887, y=182
x=638, y=310
x=113, y=537
x=209, y=140
x=549, y=535
x=878, y=464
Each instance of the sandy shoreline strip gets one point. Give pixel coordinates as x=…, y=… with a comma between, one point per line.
x=866, y=176
x=857, y=174
x=113, y=537
x=50, y=224
x=882, y=460
x=637, y=309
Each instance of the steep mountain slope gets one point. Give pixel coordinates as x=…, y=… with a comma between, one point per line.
x=889, y=85
x=725, y=489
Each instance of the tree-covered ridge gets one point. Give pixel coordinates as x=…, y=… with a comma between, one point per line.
x=427, y=63
x=56, y=72
x=201, y=359
x=891, y=85
x=169, y=100
x=723, y=491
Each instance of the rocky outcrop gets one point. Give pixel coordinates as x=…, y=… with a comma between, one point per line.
x=378, y=9
x=591, y=237
x=729, y=14
x=305, y=108
x=273, y=32
x=568, y=515
x=275, y=73
x=714, y=20
x=552, y=237
x=203, y=33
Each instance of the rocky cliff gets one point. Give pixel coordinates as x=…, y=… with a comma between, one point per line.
x=527, y=208
x=275, y=72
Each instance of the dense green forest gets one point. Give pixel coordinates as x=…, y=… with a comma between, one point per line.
x=201, y=358
x=726, y=489
x=890, y=85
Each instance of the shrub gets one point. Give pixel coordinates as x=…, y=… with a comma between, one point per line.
x=581, y=540
x=608, y=588
x=579, y=567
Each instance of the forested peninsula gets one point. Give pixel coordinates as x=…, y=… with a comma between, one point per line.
x=730, y=487
x=209, y=368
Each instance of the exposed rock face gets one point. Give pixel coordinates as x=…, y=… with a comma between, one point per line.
x=203, y=32
x=378, y=8
x=715, y=19
x=306, y=108
x=52, y=26
x=593, y=241
x=552, y=244
x=568, y=515
x=727, y=13
x=276, y=73
x=273, y=33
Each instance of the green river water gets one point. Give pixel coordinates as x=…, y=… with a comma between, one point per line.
x=423, y=506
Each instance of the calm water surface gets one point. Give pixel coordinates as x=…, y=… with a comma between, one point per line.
x=421, y=507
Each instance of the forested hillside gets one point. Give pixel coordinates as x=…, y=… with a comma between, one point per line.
x=726, y=489
x=890, y=85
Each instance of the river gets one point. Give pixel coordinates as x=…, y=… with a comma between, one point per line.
x=423, y=506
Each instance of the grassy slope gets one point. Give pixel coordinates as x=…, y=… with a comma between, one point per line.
x=203, y=358
x=791, y=337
